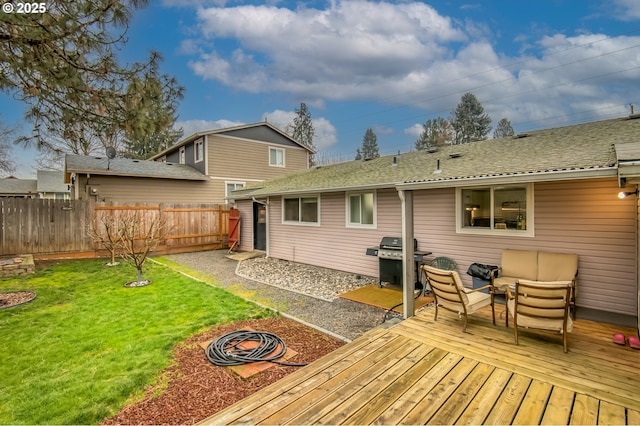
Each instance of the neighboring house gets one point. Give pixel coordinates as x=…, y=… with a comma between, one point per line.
x=203, y=168
x=126, y=180
x=18, y=188
x=49, y=184
x=553, y=190
x=235, y=156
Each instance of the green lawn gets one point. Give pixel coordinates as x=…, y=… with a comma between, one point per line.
x=86, y=344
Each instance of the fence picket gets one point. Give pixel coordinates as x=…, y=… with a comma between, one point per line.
x=57, y=227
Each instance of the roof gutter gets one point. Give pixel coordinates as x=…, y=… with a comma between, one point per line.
x=542, y=176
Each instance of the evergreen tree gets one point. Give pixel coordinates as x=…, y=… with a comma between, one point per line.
x=62, y=63
x=469, y=120
x=503, y=129
x=303, y=130
x=436, y=132
x=369, y=149
x=7, y=165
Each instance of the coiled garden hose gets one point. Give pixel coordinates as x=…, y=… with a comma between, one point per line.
x=233, y=349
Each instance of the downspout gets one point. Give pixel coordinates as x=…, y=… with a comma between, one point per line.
x=408, y=263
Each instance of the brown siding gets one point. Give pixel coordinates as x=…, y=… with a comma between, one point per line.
x=249, y=160
x=149, y=190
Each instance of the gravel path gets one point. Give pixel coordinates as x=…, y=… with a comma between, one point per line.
x=305, y=292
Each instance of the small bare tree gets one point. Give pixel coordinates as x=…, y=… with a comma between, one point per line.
x=140, y=235
x=103, y=230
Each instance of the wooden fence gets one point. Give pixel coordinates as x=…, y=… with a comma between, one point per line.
x=60, y=229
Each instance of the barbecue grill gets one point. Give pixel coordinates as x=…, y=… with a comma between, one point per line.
x=389, y=254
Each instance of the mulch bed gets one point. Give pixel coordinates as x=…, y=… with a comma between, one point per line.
x=15, y=298
x=193, y=388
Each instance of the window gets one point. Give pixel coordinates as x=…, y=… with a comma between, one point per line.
x=232, y=186
x=199, y=151
x=276, y=157
x=499, y=209
x=361, y=211
x=182, y=157
x=303, y=210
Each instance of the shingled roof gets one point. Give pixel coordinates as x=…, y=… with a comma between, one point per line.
x=572, y=152
x=129, y=167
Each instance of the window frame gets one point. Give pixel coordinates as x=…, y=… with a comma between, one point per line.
x=299, y=222
x=276, y=149
x=348, y=222
x=182, y=155
x=226, y=188
x=529, y=216
x=198, y=148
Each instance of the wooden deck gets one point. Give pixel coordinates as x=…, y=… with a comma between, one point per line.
x=420, y=371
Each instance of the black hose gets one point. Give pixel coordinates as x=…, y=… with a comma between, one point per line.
x=228, y=350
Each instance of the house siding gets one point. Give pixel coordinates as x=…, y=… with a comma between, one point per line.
x=241, y=159
x=583, y=217
x=148, y=190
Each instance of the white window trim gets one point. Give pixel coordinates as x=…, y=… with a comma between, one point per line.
x=529, y=232
x=347, y=202
x=273, y=148
x=299, y=222
x=195, y=151
x=182, y=155
x=231, y=182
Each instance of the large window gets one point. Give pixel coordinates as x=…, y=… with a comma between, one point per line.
x=304, y=210
x=361, y=210
x=499, y=209
x=276, y=157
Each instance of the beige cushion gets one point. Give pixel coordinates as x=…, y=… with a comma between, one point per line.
x=520, y=263
x=477, y=300
x=554, y=323
x=556, y=266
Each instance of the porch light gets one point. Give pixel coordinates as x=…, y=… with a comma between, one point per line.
x=623, y=194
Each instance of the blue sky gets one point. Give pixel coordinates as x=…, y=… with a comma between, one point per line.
x=389, y=66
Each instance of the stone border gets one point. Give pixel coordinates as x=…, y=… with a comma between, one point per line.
x=21, y=265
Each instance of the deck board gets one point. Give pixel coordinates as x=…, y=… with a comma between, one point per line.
x=430, y=372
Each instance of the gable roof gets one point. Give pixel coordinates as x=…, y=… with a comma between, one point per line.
x=241, y=131
x=13, y=186
x=572, y=152
x=51, y=181
x=128, y=167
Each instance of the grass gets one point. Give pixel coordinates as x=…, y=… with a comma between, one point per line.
x=87, y=344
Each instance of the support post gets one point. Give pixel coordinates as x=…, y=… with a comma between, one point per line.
x=408, y=263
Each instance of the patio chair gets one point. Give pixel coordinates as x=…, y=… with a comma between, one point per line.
x=540, y=305
x=443, y=262
x=450, y=294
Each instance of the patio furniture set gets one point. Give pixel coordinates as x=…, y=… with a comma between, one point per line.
x=539, y=289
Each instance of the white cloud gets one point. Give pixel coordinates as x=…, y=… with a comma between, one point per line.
x=189, y=127
x=409, y=54
x=325, y=134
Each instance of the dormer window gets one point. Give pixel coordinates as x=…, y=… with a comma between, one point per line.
x=199, y=151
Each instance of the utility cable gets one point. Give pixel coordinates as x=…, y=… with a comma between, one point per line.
x=235, y=348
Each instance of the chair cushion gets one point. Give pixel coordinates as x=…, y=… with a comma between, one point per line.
x=477, y=300
x=557, y=266
x=520, y=263
x=539, y=323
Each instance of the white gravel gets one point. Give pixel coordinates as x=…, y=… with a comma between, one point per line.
x=321, y=283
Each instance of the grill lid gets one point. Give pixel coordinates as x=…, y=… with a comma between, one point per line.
x=391, y=243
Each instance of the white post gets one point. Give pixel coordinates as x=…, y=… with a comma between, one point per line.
x=408, y=263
